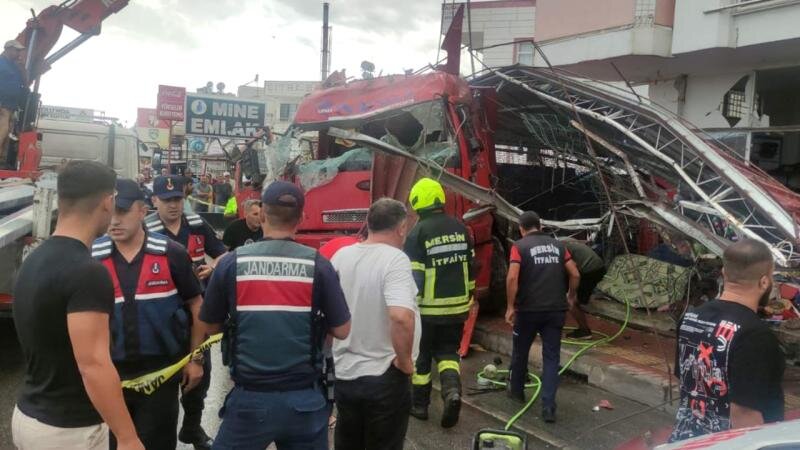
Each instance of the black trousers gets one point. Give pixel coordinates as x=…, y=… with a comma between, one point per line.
x=373, y=411
x=155, y=416
x=440, y=341
x=193, y=401
x=526, y=326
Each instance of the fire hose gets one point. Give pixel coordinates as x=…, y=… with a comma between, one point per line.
x=535, y=382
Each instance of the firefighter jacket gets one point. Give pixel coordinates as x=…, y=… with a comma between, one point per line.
x=196, y=245
x=152, y=321
x=441, y=256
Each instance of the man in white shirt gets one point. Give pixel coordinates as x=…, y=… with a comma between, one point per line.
x=374, y=364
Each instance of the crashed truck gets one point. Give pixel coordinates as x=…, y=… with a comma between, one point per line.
x=619, y=160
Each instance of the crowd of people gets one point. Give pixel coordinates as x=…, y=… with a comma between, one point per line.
x=117, y=293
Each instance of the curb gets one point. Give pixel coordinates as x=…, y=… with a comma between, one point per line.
x=619, y=376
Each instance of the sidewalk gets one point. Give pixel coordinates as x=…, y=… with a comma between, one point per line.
x=637, y=365
x=578, y=426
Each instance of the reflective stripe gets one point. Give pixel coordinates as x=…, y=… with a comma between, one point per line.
x=156, y=295
x=103, y=244
x=447, y=248
x=448, y=365
x=446, y=310
x=119, y=299
x=417, y=265
x=430, y=285
x=421, y=379
x=274, y=259
x=273, y=308
x=156, y=241
x=275, y=278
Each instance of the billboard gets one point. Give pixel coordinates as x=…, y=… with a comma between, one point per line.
x=66, y=113
x=157, y=136
x=223, y=117
x=148, y=118
x=170, y=103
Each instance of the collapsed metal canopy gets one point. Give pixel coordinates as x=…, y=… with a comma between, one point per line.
x=654, y=163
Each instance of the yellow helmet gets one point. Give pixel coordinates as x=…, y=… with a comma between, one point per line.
x=426, y=194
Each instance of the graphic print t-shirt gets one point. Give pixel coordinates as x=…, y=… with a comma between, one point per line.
x=725, y=355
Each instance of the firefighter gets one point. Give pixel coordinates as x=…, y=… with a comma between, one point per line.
x=200, y=241
x=441, y=260
x=149, y=335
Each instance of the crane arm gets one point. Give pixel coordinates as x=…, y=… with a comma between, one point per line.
x=42, y=32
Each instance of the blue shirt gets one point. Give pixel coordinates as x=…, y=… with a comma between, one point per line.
x=12, y=85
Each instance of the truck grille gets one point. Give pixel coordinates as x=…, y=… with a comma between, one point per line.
x=345, y=216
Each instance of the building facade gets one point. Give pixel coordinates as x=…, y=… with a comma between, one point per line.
x=281, y=99
x=501, y=30
x=728, y=67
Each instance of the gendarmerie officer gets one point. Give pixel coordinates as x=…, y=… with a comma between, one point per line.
x=200, y=241
x=279, y=300
x=154, y=287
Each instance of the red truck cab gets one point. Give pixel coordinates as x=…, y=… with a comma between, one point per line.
x=435, y=115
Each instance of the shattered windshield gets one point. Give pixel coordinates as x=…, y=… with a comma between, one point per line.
x=316, y=158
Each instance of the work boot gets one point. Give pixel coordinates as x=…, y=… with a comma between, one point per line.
x=451, y=395
x=549, y=414
x=580, y=333
x=192, y=433
x=419, y=412
x=420, y=399
x=452, y=408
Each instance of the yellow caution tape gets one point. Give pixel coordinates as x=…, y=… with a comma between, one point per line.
x=148, y=383
x=203, y=202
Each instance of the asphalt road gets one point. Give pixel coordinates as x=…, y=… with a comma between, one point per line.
x=478, y=412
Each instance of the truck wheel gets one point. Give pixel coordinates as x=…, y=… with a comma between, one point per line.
x=496, y=300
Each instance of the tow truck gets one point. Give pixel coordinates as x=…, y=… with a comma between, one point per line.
x=27, y=194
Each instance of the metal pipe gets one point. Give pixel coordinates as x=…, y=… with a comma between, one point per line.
x=607, y=145
x=641, y=142
x=325, y=43
x=60, y=53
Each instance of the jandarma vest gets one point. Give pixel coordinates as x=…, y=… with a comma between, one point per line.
x=197, y=240
x=152, y=321
x=277, y=328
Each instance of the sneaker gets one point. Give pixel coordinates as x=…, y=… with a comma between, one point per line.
x=452, y=408
x=549, y=415
x=580, y=333
x=419, y=412
x=196, y=437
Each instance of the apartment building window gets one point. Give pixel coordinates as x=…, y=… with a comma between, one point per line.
x=525, y=53
x=287, y=111
x=734, y=104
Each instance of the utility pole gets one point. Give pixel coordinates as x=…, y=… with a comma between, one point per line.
x=325, y=43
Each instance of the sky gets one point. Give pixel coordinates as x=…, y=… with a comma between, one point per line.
x=190, y=42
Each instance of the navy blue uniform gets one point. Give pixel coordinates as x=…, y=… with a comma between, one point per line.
x=278, y=298
x=150, y=327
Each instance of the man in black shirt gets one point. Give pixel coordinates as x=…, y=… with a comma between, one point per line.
x=729, y=363
x=199, y=240
x=63, y=300
x=539, y=272
x=244, y=231
x=155, y=287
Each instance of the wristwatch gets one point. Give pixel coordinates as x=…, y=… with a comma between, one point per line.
x=198, y=358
